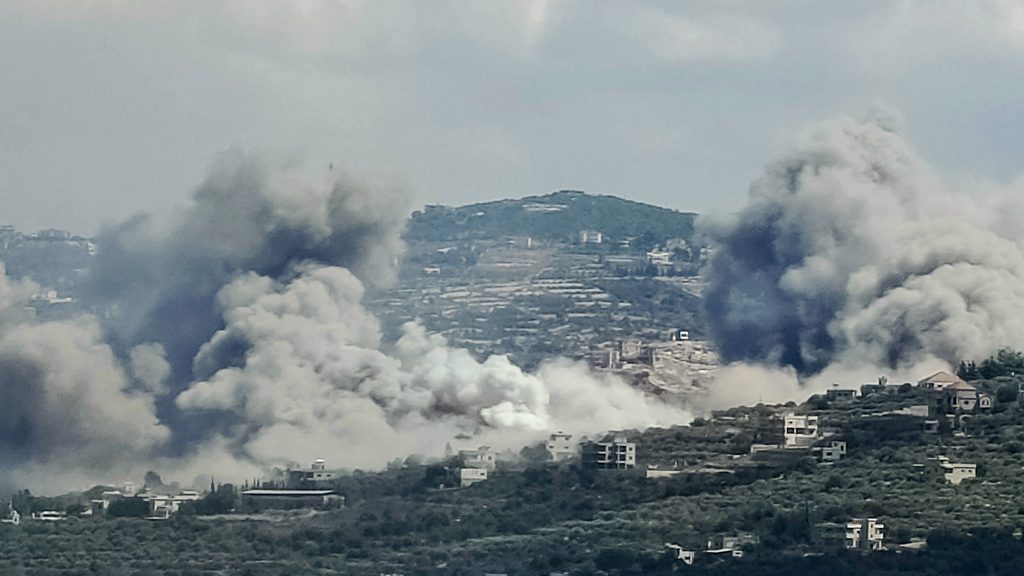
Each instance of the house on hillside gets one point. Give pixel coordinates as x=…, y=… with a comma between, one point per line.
x=615, y=452
x=561, y=447
x=800, y=431
x=939, y=381
x=955, y=473
x=834, y=451
x=482, y=457
x=470, y=476
x=857, y=534
x=316, y=476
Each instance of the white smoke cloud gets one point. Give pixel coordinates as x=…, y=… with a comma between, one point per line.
x=316, y=381
x=852, y=253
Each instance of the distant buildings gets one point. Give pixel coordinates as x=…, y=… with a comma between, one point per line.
x=834, y=451
x=591, y=237
x=12, y=516
x=612, y=453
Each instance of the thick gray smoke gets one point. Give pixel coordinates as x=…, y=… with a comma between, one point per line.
x=157, y=282
x=851, y=252
x=235, y=339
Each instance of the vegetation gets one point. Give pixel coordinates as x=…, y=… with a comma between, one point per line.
x=568, y=212
x=537, y=518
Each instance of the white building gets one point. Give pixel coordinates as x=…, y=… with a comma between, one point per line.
x=482, y=457
x=316, y=475
x=591, y=237
x=955, y=473
x=857, y=534
x=161, y=506
x=685, y=556
x=12, y=516
x=470, y=476
x=561, y=447
x=800, y=431
x=833, y=452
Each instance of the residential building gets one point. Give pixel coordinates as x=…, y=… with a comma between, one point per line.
x=836, y=394
x=857, y=534
x=938, y=381
x=561, y=447
x=482, y=457
x=955, y=473
x=470, y=476
x=631, y=348
x=615, y=453
x=12, y=516
x=834, y=451
x=679, y=335
x=290, y=499
x=685, y=556
x=591, y=237
x=800, y=431
x=161, y=506
x=317, y=475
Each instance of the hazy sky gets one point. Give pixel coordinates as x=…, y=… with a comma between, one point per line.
x=110, y=107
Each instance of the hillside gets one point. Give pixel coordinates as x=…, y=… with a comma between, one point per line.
x=558, y=216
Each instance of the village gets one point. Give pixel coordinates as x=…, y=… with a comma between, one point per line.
x=762, y=442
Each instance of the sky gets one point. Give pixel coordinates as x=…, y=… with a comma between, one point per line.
x=113, y=107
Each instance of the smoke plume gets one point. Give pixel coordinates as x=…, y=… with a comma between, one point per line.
x=234, y=339
x=852, y=253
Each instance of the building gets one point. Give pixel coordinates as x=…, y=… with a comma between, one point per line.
x=631, y=348
x=482, y=457
x=962, y=397
x=316, y=476
x=955, y=473
x=606, y=358
x=938, y=381
x=659, y=257
x=470, y=476
x=161, y=506
x=800, y=431
x=591, y=237
x=616, y=453
x=12, y=516
x=290, y=499
x=857, y=534
x=836, y=394
x=561, y=447
x=834, y=451
x=685, y=556
x=679, y=335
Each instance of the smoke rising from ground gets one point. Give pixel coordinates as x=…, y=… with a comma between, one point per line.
x=851, y=253
x=233, y=339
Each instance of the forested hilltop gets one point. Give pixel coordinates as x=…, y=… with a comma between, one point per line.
x=559, y=216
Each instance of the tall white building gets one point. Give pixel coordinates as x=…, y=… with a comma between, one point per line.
x=561, y=447
x=800, y=431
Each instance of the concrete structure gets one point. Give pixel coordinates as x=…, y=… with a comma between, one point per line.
x=316, y=476
x=685, y=556
x=608, y=359
x=470, y=476
x=12, y=516
x=955, y=473
x=836, y=394
x=679, y=335
x=654, y=471
x=482, y=457
x=289, y=499
x=591, y=237
x=615, y=453
x=834, y=451
x=631, y=348
x=858, y=534
x=800, y=431
x=939, y=381
x=562, y=447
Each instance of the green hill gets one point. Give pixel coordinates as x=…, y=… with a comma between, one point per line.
x=557, y=216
